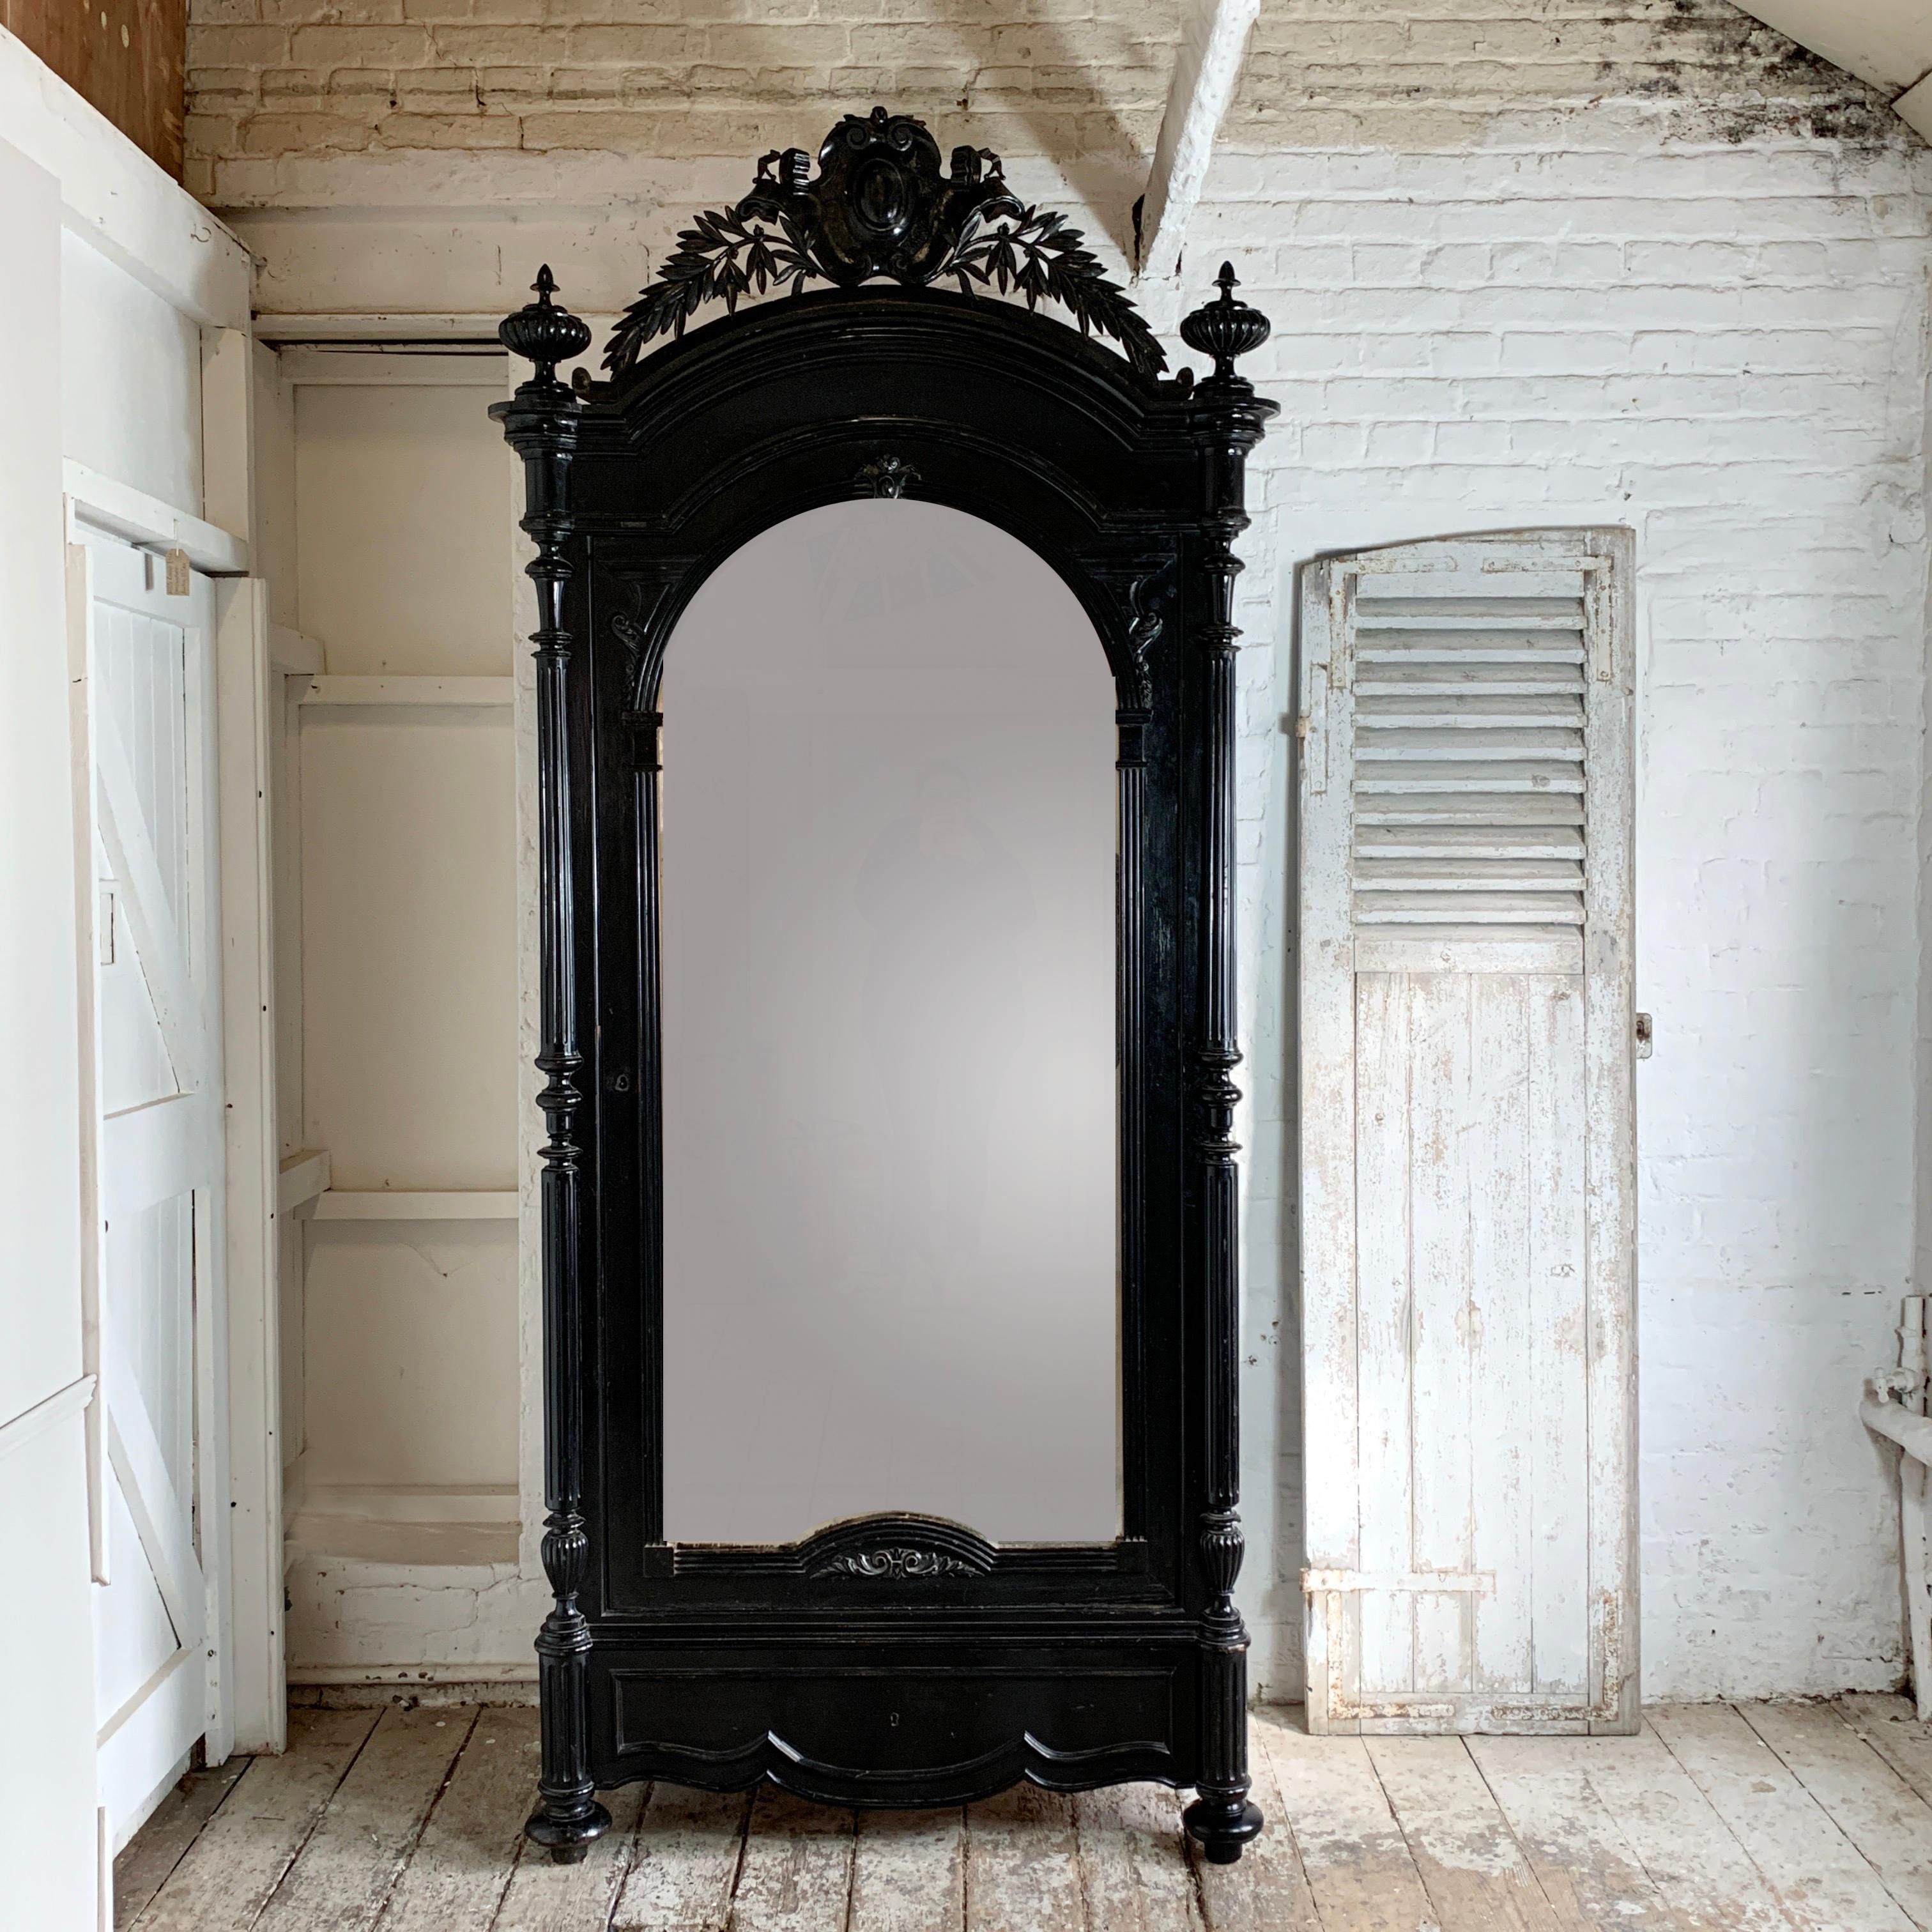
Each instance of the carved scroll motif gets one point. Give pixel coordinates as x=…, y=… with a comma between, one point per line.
x=897, y=1562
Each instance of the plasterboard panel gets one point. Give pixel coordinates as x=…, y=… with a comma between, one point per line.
x=408, y=973
x=39, y=1144
x=401, y=565
x=411, y=1355
x=47, y=1793
x=130, y=380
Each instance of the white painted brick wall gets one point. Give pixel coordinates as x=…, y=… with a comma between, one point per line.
x=1722, y=346
x=1701, y=312
x=273, y=85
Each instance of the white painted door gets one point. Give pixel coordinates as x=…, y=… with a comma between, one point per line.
x=155, y=1303
x=1467, y=1135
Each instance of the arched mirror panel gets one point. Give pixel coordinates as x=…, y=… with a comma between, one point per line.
x=887, y=919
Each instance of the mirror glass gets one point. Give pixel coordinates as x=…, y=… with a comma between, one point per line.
x=888, y=839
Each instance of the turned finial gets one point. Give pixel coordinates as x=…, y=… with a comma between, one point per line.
x=544, y=332
x=1226, y=328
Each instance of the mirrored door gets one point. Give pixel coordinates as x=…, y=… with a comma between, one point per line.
x=887, y=929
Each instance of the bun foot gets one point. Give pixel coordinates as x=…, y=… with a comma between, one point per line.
x=1221, y=1826
x=568, y=1838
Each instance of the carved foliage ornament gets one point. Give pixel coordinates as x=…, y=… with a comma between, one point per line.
x=895, y=1561
x=885, y=476
x=881, y=207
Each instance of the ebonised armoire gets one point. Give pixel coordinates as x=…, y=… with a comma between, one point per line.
x=894, y=1659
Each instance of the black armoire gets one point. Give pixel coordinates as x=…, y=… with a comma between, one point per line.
x=917, y=351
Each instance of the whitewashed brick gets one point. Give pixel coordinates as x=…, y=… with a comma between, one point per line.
x=1718, y=348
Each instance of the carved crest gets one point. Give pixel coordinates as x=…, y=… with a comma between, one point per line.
x=881, y=206
x=886, y=476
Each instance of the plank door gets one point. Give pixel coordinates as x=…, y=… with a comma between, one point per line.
x=1467, y=1135
x=154, y=1301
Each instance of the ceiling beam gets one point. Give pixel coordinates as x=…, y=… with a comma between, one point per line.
x=1214, y=42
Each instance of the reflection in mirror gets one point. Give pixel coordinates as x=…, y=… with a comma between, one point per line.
x=887, y=891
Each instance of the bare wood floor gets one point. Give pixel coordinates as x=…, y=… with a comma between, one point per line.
x=1752, y=1818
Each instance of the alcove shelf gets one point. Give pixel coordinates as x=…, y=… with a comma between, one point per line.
x=403, y=1204
x=484, y=693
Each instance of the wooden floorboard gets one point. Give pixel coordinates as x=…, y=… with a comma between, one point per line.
x=545, y=1897
x=689, y=1847
x=462, y=1863
x=1687, y=1851
x=236, y=1864
x=1134, y=1870
x=1824, y=1883
x=148, y=1861
x=1891, y=1726
x=796, y=1874
x=1475, y=1873
x=909, y=1872
x=1760, y=1818
x=1590, y=1873
x=1884, y=1819
x=1357, y=1861
x=342, y=1877
x=1022, y=1863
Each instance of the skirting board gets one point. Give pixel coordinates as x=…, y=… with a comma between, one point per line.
x=351, y=1687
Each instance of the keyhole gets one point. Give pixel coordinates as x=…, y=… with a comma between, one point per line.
x=621, y=1083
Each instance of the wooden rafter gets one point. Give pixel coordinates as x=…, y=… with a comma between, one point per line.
x=1214, y=42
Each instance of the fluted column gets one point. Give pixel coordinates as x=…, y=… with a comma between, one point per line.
x=540, y=422
x=1228, y=421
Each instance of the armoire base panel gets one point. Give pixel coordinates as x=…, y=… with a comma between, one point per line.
x=869, y=1724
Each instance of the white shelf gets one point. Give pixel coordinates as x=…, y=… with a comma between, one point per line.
x=487, y=693
x=397, y=1205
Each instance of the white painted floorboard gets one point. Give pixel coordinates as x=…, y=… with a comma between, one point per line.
x=1750, y=1818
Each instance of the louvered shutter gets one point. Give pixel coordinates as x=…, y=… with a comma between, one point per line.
x=1467, y=1134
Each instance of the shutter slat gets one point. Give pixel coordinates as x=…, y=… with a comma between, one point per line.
x=1474, y=708
x=1374, y=844
x=1381, y=681
x=1477, y=908
x=1473, y=738
x=1374, y=613
x=1484, y=649
x=1432, y=874
x=1476, y=809
x=1444, y=774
